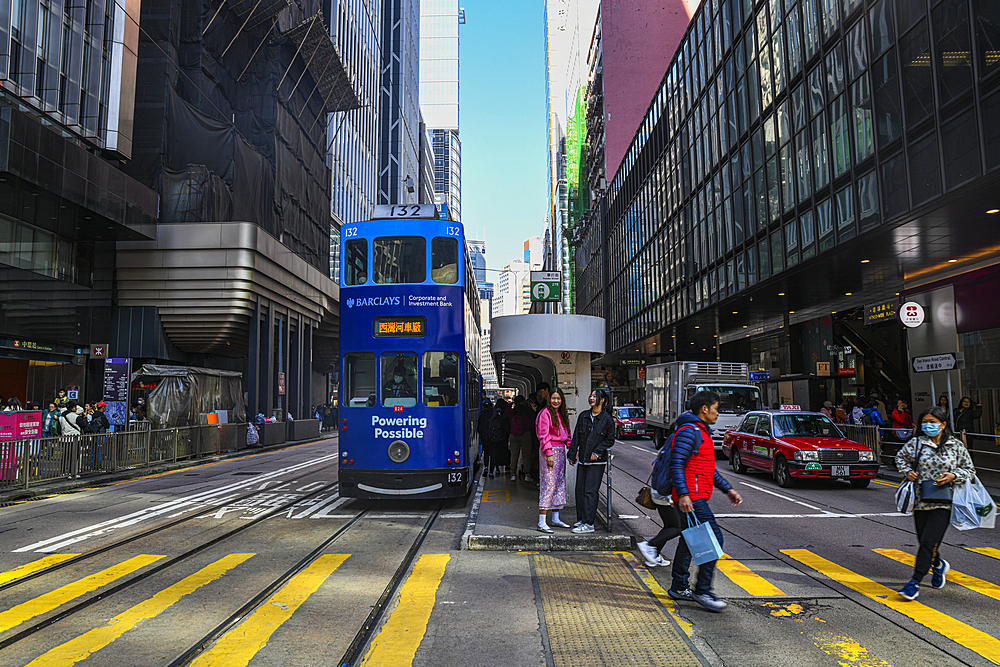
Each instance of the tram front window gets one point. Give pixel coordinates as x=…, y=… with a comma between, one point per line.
x=399, y=379
x=359, y=380
x=400, y=260
x=444, y=260
x=440, y=379
x=356, y=262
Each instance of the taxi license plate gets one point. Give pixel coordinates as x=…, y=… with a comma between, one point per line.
x=840, y=471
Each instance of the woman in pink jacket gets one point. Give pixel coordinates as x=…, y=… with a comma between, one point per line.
x=552, y=426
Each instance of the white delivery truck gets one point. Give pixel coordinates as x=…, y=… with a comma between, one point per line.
x=670, y=386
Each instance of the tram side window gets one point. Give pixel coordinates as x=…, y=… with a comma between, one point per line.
x=444, y=260
x=359, y=380
x=440, y=379
x=400, y=260
x=356, y=262
x=399, y=379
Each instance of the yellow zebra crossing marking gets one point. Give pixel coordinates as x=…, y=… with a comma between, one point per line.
x=396, y=644
x=986, y=551
x=82, y=647
x=960, y=633
x=978, y=585
x=54, y=599
x=747, y=579
x=33, y=566
x=240, y=645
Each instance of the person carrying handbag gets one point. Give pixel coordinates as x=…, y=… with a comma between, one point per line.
x=933, y=460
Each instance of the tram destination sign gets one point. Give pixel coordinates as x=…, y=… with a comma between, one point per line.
x=400, y=327
x=546, y=285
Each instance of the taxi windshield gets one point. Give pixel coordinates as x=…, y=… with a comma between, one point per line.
x=806, y=426
x=631, y=413
x=736, y=400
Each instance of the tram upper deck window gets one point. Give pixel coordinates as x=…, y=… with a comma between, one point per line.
x=356, y=262
x=444, y=260
x=399, y=379
x=359, y=380
x=440, y=379
x=402, y=259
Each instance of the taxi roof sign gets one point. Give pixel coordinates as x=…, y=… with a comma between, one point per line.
x=790, y=407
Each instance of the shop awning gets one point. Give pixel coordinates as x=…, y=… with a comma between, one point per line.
x=317, y=50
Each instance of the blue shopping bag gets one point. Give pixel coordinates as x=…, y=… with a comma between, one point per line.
x=701, y=541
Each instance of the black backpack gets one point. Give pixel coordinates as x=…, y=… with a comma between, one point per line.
x=497, y=429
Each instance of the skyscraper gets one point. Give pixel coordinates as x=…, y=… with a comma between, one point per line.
x=399, y=108
x=352, y=136
x=439, y=96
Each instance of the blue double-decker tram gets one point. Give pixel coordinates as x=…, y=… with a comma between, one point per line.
x=409, y=367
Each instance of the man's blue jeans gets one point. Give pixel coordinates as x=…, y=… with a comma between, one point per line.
x=682, y=557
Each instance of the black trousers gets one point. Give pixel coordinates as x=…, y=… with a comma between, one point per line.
x=588, y=485
x=931, y=526
x=671, y=527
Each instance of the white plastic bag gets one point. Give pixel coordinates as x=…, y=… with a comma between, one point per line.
x=906, y=496
x=972, y=506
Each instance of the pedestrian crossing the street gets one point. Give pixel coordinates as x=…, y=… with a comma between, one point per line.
x=778, y=583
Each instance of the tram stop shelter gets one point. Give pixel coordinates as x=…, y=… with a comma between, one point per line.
x=528, y=350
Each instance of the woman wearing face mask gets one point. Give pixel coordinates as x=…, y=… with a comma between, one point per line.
x=552, y=426
x=934, y=457
x=594, y=435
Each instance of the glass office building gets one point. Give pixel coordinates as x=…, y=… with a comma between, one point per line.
x=801, y=159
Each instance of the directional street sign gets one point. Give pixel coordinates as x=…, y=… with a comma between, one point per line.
x=934, y=362
x=546, y=286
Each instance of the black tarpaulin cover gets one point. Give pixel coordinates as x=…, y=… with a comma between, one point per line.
x=185, y=394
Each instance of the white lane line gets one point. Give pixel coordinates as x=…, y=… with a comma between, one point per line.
x=628, y=516
x=642, y=449
x=183, y=503
x=778, y=495
x=826, y=515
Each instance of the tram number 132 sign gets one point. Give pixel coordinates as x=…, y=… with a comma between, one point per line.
x=546, y=286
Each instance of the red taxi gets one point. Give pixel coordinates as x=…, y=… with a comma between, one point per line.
x=630, y=421
x=793, y=444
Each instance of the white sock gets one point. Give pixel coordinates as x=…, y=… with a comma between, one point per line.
x=555, y=516
x=541, y=521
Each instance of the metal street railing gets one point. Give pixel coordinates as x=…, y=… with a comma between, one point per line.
x=38, y=460
x=886, y=442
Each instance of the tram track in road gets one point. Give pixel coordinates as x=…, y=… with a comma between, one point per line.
x=166, y=526
x=368, y=627
x=146, y=574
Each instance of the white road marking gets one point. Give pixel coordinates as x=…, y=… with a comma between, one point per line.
x=826, y=515
x=642, y=449
x=628, y=516
x=169, y=508
x=778, y=495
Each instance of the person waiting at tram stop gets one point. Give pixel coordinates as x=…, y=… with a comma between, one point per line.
x=521, y=442
x=692, y=464
x=966, y=415
x=553, y=437
x=944, y=403
x=593, y=436
x=935, y=457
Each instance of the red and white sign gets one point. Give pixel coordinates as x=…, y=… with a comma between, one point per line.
x=281, y=383
x=642, y=373
x=16, y=426
x=397, y=408
x=911, y=314
x=98, y=351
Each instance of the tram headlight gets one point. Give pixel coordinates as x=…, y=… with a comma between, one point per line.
x=399, y=451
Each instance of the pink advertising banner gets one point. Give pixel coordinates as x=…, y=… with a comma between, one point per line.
x=16, y=426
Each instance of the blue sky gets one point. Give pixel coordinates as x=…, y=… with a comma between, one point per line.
x=503, y=125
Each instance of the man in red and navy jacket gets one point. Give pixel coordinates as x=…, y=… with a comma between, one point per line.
x=693, y=474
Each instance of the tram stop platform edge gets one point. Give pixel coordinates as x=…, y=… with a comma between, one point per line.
x=504, y=517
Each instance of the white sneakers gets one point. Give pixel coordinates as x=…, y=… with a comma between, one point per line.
x=583, y=528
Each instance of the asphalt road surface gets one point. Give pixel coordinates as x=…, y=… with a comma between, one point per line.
x=258, y=561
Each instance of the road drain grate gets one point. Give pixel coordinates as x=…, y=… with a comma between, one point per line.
x=247, y=472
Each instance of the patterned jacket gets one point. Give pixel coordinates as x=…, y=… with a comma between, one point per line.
x=935, y=460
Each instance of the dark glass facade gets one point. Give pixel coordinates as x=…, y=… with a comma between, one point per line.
x=785, y=137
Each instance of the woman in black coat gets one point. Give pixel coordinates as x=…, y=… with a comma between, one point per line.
x=593, y=437
x=966, y=414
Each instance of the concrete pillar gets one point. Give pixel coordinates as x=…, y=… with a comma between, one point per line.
x=937, y=335
x=253, y=365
